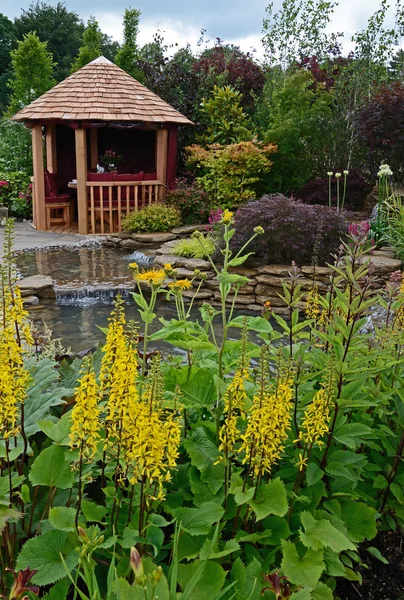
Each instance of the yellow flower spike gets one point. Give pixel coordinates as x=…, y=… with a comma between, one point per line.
x=86, y=425
x=316, y=418
x=153, y=277
x=313, y=307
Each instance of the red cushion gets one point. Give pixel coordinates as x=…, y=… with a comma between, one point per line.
x=51, y=185
x=150, y=176
x=130, y=177
x=100, y=176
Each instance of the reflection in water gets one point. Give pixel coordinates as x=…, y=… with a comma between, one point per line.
x=86, y=281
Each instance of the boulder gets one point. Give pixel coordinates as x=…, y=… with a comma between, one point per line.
x=123, y=235
x=37, y=285
x=153, y=238
x=166, y=248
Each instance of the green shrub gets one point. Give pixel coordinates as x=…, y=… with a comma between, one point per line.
x=192, y=248
x=155, y=217
x=394, y=224
x=15, y=193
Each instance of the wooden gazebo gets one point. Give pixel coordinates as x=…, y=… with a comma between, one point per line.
x=97, y=109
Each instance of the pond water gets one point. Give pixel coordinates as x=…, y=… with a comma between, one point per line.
x=87, y=279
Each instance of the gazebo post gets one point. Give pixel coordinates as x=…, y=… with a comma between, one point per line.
x=50, y=139
x=161, y=156
x=93, y=147
x=81, y=174
x=39, y=179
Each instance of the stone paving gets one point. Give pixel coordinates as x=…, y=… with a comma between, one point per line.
x=26, y=237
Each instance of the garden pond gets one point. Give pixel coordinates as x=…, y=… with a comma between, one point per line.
x=87, y=279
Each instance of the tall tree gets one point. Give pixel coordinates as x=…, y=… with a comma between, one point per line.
x=127, y=56
x=7, y=43
x=91, y=48
x=60, y=28
x=32, y=71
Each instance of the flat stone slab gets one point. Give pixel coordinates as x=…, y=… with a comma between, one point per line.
x=187, y=229
x=166, y=259
x=193, y=263
x=153, y=238
x=167, y=247
x=276, y=270
x=130, y=244
x=30, y=300
x=36, y=285
x=383, y=265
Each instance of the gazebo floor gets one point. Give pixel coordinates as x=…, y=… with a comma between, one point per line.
x=74, y=228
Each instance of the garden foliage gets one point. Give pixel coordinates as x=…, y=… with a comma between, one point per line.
x=316, y=191
x=292, y=230
x=231, y=174
x=239, y=469
x=15, y=193
x=153, y=217
x=191, y=200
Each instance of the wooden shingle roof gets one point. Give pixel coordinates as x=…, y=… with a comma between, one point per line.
x=101, y=91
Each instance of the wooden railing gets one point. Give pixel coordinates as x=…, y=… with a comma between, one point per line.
x=108, y=201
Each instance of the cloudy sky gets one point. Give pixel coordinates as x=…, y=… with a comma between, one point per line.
x=234, y=21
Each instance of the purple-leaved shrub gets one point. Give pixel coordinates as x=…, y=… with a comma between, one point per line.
x=292, y=230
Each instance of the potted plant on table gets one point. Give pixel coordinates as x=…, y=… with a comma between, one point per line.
x=111, y=159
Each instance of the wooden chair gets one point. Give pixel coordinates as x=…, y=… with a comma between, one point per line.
x=57, y=206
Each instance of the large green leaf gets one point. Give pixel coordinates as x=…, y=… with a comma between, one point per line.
x=43, y=393
x=62, y=518
x=58, y=591
x=51, y=469
x=42, y=554
x=228, y=548
x=322, y=592
x=204, y=454
x=199, y=521
x=321, y=533
x=271, y=500
x=302, y=570
x=360, y=521
x=209, y=584
x=197, y=387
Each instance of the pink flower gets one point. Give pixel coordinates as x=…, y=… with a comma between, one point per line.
x=3, y=183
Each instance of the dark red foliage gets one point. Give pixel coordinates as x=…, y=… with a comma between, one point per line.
x=325, y=73
x=380, y=128
x=192, y=202
x=316, y=191
x=243, y=73
x=293, y=230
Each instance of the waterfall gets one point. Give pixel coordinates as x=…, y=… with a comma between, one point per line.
x=89, y=295
x=143, y=260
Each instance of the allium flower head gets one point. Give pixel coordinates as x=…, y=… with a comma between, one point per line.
x=384, y=171
x=330, y=173
x=337, y=175
x=346, y=172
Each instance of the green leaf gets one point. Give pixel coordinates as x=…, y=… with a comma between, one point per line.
x=8, y=514
x=258, y=324
x=241, y=497
x=204, y=454
x=62, y=518
x=187, y=547
x=377, y=554
x=197, y=389
x=43, y=393
x=303, y=594
x=59, y=431
x=93, y=512
x=51, y=469
x=353, y=434
x=58, y=591
x=360, y=521
x=42, y=554
x=210, y=582
x=321, y=533
x=155, y=537
x=322, y=592
x=199, y=521
x=271, y=500
x=302, y=570
x=313, y=473
x=236, y=262
x=229, y=547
